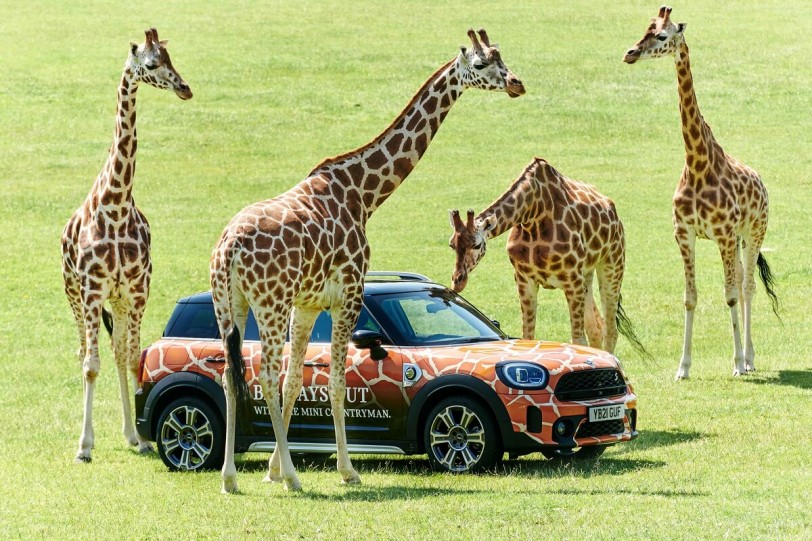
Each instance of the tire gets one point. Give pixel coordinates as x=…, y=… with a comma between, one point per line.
x=190, y=436
x=591, y=452
x=461, y=436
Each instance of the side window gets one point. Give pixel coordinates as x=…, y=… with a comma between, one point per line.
x=195, y=321
x=323, y=328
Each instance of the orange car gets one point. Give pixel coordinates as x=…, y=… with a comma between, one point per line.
x=426, y=373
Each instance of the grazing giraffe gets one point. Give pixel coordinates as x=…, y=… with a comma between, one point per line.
x=105, y=245
x=305, y=251
x=563, y=232
x=717, y=198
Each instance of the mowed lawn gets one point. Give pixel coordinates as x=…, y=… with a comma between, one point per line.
x=278, y=87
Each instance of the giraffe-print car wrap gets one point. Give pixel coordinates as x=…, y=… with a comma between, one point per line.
x=381, y=394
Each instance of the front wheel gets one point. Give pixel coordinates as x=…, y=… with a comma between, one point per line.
x=591, y=452
x=190, y=436
x=461, y=436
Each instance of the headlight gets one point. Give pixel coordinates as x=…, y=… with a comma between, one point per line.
x=522, y=375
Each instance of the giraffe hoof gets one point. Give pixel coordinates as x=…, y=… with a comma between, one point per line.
x=82, y=459
x=230, y=487
x=145, y=449
x=680, y=376
x=292, y=485
x=352, y=479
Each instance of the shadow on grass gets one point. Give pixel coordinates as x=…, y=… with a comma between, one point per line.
x=802, y=379
x=651, y=439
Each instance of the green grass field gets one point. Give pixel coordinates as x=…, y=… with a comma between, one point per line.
x=279, y=86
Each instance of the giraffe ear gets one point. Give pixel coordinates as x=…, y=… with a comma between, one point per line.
x=488, y=224
x=681, y=27
x=163, y=42
x=133, y=48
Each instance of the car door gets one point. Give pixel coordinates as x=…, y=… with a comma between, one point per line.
x=374, y=400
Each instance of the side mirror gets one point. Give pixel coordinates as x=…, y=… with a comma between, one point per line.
x=371, y=340
x=496, y=323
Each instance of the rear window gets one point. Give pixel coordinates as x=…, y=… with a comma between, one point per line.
x=197, y=320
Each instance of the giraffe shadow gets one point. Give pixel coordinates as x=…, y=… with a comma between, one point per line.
x=802, y=379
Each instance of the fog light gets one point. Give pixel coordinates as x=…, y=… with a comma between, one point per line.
x=561, y=427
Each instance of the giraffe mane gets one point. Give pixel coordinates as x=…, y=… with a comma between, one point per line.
x=335, y=159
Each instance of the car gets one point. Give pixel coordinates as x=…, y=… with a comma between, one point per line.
x=426, y=373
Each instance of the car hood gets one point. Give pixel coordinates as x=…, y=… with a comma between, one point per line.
x=556, y=357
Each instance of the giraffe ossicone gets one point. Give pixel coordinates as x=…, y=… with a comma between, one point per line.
x=562, y=233
x=306, y=250
x=717, y=198
x=106, y=245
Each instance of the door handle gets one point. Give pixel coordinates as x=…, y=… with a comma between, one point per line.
x=311, y=363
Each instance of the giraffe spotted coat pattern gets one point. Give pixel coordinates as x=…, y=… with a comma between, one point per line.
x=562, y=233
x=306, y=250
x=106, y=244
x=717, y=198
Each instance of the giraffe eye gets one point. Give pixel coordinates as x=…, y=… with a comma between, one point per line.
x=150, y=66
x=661, y=37
x=479, y=66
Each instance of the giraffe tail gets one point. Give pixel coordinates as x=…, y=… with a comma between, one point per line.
x=107, y=319
x=625, y=327
x=235, y=364
x=768, y=279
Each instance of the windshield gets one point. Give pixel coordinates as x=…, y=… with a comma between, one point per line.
x=431, y=317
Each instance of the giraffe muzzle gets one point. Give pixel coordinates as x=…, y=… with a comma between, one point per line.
x=514, y=87
x=632, y=56
x=183, y=91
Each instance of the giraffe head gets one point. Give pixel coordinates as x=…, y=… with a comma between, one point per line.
x=662, y=38
x=482, y=67
x=468, y=241
x=151, y=64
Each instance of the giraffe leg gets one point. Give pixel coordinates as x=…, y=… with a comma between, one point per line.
x=595, y=326
x=90, y=371
x=272, y=327
x=748, y=289
x=344, y=319
x=133, y=358
x=301, y=327
x=121, y=348
x=686, y=239
x=610, y=278
x=528, y=290
x=575, y=291
x=227, y=315
x=729, y=249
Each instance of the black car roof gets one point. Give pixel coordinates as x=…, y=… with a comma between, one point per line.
x=376, y=283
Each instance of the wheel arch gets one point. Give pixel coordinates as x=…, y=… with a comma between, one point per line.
x=454, y=385
x=182, y=384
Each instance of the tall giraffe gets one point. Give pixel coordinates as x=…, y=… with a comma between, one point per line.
x=105, y=244
x=306, y=250
x=717, y=198
x=563, y=232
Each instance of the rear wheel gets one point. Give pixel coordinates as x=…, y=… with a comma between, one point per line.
x=582, y=453
x=461, y=436
x=190, y=436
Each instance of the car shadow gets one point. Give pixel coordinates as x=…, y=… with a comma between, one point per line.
x=802, y=379
x=533, y=465
x=652, y=439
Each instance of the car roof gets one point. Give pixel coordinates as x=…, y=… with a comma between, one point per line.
x=376, y=283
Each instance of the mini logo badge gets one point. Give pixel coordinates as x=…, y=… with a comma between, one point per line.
x=590, y=362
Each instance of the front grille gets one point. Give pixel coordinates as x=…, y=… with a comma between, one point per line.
x=600, y=428
x=590, y=384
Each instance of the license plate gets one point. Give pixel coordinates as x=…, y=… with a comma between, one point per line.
x=607, y=413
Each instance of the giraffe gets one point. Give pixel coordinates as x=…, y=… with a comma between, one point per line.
x=306, y=250
x=563, y=232
x=105, y=245
x=717, y=198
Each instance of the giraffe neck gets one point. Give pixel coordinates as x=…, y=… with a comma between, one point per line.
x=695, y=132
x=374, y=171
x=522, y=203
x=113, y=188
